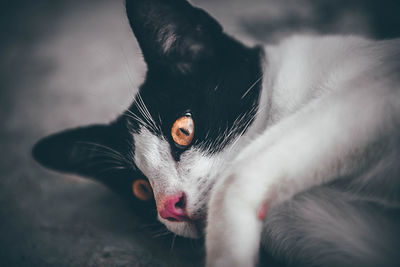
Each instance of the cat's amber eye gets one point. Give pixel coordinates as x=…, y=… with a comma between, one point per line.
x=142, y=189
x=182, y=130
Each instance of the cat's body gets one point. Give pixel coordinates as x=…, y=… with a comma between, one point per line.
x=328, y=116
x=307, y=131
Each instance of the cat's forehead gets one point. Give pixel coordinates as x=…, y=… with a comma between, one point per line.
x=217, y=90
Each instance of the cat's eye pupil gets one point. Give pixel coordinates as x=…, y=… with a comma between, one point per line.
x=143, y=188
x=184, y=131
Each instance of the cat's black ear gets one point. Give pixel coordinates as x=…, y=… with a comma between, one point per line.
x=93, y=151
x=173, y=34
x=76, y=150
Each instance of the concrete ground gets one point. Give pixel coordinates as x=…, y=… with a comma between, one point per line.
x=70, y=63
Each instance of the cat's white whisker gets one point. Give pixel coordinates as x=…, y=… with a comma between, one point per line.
x=106, y=150
x=216, y=87
x=146, y=113
x=239, y=136
x=105, y=170
x=252, y=86
x=136, y=118
x=126, y=67
x=143, y=113
x=140, y=108
x=172, y=243
x=164, y=233
x=105, y=161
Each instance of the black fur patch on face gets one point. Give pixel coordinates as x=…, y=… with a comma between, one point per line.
x=193, y=66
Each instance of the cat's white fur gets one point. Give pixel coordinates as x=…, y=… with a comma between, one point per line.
x=329, y=106
x=333, y=106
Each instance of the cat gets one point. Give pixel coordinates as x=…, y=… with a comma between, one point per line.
x=291, y=148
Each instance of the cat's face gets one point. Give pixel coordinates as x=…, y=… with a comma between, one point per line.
x=184, y=134
x=182, y=131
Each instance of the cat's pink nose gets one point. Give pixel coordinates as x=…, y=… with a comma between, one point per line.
x=174, y=208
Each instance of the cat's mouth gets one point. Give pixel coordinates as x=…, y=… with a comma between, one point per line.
x=188, y=228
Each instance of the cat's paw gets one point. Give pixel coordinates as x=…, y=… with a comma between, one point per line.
x=234, y=223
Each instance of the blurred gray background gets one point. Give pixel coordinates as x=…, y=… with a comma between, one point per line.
x=69, y=63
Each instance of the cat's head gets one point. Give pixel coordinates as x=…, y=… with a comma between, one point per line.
x=199, y=97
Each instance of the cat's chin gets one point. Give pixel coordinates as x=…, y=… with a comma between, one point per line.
x=187, y=229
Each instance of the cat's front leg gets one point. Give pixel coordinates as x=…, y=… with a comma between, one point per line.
x=233, y=230
x=237, y=209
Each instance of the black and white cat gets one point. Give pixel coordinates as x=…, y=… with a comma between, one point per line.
x=292, y=147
